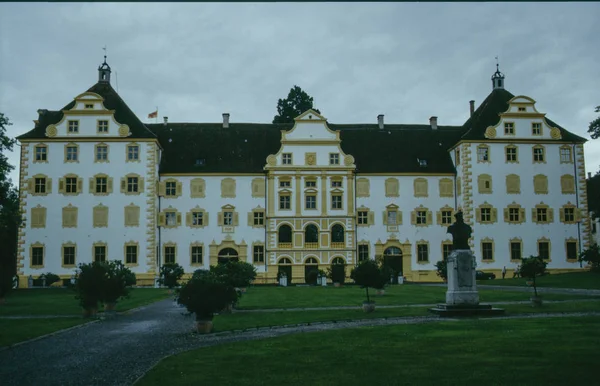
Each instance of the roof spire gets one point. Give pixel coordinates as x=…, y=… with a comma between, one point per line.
x=498, y=77
x=104, y=70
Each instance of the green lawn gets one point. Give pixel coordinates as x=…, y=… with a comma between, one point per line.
x=299, y=297
x=244, y=320
x=488, y=352
x=61, y=301
x=584, y=280
x=17, y=330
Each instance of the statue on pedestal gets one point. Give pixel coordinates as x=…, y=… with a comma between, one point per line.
x=460, y=232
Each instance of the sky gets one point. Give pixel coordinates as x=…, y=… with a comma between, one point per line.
x=408, y=61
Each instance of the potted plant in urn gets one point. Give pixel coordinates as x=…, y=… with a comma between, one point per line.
x=337, y=272
x=368, y=274
x=170, y=274
x=531, y=267
x=237, y=274
x=116, y=284
x=88, y=285
x=204, y=295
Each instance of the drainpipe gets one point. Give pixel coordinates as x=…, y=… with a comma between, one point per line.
x=266, y=224
x=577, y=201
x=159, y=246
x=354, y=220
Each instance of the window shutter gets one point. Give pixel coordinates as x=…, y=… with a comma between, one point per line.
x=141, y=185
x=478, y=214
x=92, y=185
x=162, y=189
x=385, y=217
x=550, y=215
x=533, y=215
x=438, y=217
x=79, y=185
x=494, y=215
x=123, y=184
x=48, y=185
x=179, y=188
x=220, y=218
x=204, y=218
x=61, y=185
x=429, y=218
x=506, y=216
x=109, y=184
x=371, y=218
x=188, y=219
x=178, y=218
x=562, y=214
x=43, y=217
x=578, y=214
x=31, y=185
x=250, y=219
x=235, y=219
x=521, y=215
x=398, y=218
x=413, y=218
x=162, y=219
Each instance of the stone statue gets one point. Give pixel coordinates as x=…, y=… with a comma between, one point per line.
x=460, y=232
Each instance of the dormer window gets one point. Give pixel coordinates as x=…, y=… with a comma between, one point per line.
x=200, y=162
x=422, y=163
x=89, y=106
x=522, y=109
x=73, y=126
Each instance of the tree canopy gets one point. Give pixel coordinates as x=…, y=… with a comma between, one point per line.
x=594, y=128
x=295, y=104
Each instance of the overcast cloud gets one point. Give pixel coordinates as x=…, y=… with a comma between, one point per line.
x=407, y=61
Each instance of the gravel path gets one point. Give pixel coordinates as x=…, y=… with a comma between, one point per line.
x=548, y=290
x=118, y=351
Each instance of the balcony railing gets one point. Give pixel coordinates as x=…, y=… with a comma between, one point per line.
x=338, y=245
x=284, y=245
x=311, y=245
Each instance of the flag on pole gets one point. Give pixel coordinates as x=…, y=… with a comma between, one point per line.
x=153, y=115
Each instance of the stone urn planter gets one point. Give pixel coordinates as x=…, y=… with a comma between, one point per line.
x=204, y=326
x=536, y=301
x=380, y=292
x=368, y=306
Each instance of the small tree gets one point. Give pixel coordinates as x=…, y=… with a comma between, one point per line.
x=337, y=272
x=50, y=277
x=442, y=269
x=531, y=267
x=295, y=104
x=206, y=294
x=89, y=284
x=368, y=274
x=117, y=281
x=594, y=128
x=237, y=274
x=592, y=257
x=170, y=275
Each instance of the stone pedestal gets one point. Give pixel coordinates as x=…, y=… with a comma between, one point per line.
x=462, y=286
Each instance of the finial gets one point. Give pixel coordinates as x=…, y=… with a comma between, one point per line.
x=104, y=48
x=497, y=64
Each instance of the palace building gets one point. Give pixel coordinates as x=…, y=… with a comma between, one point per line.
x=99, y=184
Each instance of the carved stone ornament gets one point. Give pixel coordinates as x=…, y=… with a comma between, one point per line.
x=271, y=160
x=311, y=159
x=51, y=131
x=124, y=131
x=348, y=160
x=555, y=133
x=490, y=132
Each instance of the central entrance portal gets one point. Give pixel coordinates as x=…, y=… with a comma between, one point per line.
x=392, y=260
x=226, y=255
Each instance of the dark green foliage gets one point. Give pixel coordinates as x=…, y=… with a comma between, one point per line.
x=237, y=274
x=592, y=257
x=311, y=276
x=295, y=104
x=117, y=281
x=442, y=269
x=337, y=272
x=170, y=275
x=594, y=128
x=50, y=278
x=206, y=294
x=531, y=267
x=102, y=282
x=369, y=274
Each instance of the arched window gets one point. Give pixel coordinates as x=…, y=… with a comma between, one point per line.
x=311, y=234
x=338, y=261
x=226, y=255
x=284, y=261
x=285, y=234
x=311, y=261
x=337, y=234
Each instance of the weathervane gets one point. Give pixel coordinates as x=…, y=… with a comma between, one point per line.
x=497, y=64
x=104, y=48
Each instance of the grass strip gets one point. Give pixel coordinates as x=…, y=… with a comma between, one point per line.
x=17, y=330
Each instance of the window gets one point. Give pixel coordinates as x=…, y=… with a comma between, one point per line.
x=420, y=187
x=422, y=253
x=446, y=187
x=363, y=217
x=258, y=254
x=259, y=218
x=486, y=214
x=132, y=215
x=311, y=201
x=392, y=217
x=169, y=254
x=286, y=158
x=540, y=184
x=101, y=153
x=133, y=153
x=40, y=185
x=458, y=156
x=196, y=254
x=421, y=217
x=392, y=187
x=284, y=236
x=334, y=159
x=69, y=216
x=336, y=201
x=515, y=250
x=565, y=155
x=71, y=185
x=511, y=154
x=227, y=217
x=363, y=252
x=522, y=109
x=542, y=213
x=568, y=214
x=487, y=251
x=228, y=186
x=73, y=126
x=483, y=153
x=285, y=183
x=544, y=249
x=89, y=106
x=284, y=202
x=446, y=250
x=484, y=183
x=310, y=183
x=198, y=188
x=446, y=217
x=336, y=183
x=37, y=256
x=337, y=236
x=132, y=185
x=41, y=153
x=509, y=128
x=100, y=216
x=102, y=126
x=567, y=184
x=571, y=247
x=536, y=128
x=68, y=254
x=101, y=184
x=170, y=219
x=538, y=154
x=71, y=153
x=99, y=253
x=513, y=214
x=197, y=218
x=258, y=187
x=170, y=188
x=131, y=252
x=513, y=184
x=311, y=236
x=38, y=217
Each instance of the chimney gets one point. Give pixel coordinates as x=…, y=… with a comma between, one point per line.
x=472, y=107
x=589, y=175
x=225, y=120
x=433, y=123
x=380, y=121
x=166, y=120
